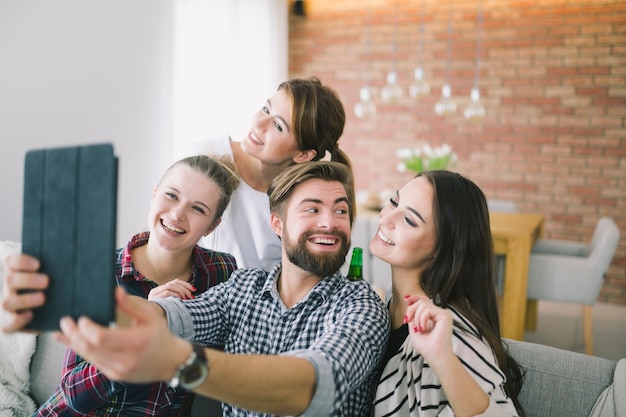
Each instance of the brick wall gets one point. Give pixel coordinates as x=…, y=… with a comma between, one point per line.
x=553, y=80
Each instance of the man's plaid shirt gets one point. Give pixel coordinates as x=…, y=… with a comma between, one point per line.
x=341, y=326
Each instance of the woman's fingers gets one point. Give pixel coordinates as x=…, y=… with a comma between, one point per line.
x=421, y=313
x=176, y=288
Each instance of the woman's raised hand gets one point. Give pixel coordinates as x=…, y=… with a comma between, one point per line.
x=430, y=328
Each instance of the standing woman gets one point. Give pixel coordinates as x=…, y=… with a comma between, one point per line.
x=301, y=122
x=445, y=356
x=165, y=261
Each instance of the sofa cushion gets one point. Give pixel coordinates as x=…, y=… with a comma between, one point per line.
x=46, y=367
x=559, y=382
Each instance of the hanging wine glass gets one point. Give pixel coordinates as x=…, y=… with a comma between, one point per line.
x=475, y=110
x=419, y=87
x=392, y=91
x=445, y=106
x=365, y=108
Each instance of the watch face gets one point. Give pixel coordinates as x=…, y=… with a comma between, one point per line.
x=194, y=374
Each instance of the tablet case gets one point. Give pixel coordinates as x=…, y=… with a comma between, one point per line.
x=69, y=221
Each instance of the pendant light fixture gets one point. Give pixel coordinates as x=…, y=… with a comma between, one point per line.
x=392, y=91
x=446, y=106
x=475, y=111
x=419, y=87
x=365, y=108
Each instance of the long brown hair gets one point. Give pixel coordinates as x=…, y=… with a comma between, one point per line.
x=460, y=270
x=318, y=117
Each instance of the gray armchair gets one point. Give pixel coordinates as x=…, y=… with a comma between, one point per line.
x=573, y=272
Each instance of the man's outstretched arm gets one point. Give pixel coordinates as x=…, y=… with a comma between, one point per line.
x=145, y=351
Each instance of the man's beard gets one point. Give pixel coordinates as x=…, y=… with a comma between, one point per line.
x=321, y=265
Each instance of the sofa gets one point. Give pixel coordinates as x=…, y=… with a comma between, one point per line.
x=557, y=383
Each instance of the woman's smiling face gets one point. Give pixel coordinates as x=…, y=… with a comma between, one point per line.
x=183, y=208
x=406, y=233
x=271, y=137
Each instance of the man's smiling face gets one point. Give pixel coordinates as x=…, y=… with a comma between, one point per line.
x=316, y=228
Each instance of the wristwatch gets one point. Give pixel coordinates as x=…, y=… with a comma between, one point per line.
x=193, y=372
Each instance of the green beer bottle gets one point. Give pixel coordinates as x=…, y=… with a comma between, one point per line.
x=355, y=272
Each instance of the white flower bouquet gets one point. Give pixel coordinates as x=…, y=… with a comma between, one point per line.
x=426, y=158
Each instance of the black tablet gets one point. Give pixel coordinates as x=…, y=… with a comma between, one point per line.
x=69, y=223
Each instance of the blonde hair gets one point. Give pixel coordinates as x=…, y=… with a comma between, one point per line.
x=219, y=169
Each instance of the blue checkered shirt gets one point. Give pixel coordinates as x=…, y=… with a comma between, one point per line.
x=341, y=326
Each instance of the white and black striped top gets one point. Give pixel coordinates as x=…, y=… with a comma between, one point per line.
x=408, y=387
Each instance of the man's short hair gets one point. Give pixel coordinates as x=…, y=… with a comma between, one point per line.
x=285, y=183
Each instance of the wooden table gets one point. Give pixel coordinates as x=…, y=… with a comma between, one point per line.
x=514, y=235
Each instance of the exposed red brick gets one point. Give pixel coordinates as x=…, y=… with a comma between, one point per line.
x=552, y=78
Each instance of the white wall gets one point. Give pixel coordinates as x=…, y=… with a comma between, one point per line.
x=77, y=72
x=87, y=71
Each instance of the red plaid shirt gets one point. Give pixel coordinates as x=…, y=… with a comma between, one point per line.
x=85, y=391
